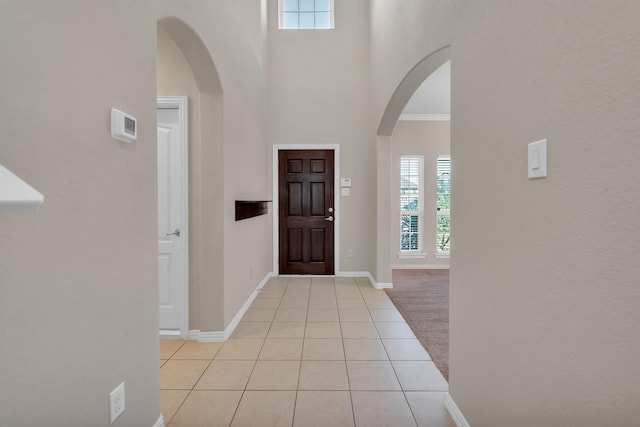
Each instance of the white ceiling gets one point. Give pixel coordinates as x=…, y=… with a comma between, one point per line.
x=433, y=97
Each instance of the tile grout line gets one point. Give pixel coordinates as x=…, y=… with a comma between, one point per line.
x=415, y=420
x=346, y=367
x=188, y=391
x=195, y=383
x=304, y=334
x=257, y=357
x=389, y=360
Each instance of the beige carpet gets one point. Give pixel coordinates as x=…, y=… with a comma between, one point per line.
x=422, y=296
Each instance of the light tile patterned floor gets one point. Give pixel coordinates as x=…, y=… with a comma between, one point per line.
x=308, y=352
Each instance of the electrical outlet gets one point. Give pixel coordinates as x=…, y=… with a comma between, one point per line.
x=116, y=403
x=349, y=253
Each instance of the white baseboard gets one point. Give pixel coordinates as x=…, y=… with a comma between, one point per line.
x=365, y=274
x=377, y=285
x=455, y=412
x=219, y=336
x=160, y=422
x=381, y=285
x=169, y=334
x=420, y=266
x=213, y=336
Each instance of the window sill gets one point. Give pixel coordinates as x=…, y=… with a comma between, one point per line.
x=412, y=255
x=442, y=256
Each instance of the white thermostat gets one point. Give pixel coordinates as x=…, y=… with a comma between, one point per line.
x=123, y=126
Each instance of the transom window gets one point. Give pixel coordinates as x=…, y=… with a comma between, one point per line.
x=411, y=201
x=306, y=14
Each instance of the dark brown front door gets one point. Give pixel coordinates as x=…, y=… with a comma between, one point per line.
x=305, y=200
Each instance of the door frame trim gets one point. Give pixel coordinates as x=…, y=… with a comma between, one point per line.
x=336, y=200
x=182, y=104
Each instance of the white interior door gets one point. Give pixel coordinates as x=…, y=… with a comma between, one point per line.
x=173, y=230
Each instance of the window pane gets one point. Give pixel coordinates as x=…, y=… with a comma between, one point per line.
x=414, y=223
x=414, y=242
x=443, y=204
x=443, y=243
x=323, y=5
x=409, y=202
x=290, y=5
x=443, y=181
x=306, y=5
x=409, y=236
x=323, y=20
x=404, y=243
x=289, y=20
x=305, y=20
x=410, y=183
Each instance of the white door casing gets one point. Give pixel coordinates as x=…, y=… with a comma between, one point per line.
x=173, y=227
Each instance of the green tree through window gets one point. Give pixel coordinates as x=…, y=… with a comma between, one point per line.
x=443, y=205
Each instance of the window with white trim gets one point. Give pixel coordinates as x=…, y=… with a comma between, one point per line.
x=443, y=205
x=411, y=201
x=305, y=14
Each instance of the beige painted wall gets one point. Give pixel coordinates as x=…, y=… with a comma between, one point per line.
x=428, y=139
x=402, y=34
x=543, y=324
x=78, y=278
x=318, y=83
x=249, y=14
x=559, y=289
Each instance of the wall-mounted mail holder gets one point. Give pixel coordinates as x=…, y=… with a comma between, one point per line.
x=250, y=208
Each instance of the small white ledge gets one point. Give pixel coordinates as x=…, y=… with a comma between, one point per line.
x=16, y=195
x=412, y=255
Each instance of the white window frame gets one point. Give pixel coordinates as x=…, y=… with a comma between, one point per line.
x=281, y=18
x=413, y=253
x=443, y=213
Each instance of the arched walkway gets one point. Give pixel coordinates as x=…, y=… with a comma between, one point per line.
x=206, y=270
x=406, y=88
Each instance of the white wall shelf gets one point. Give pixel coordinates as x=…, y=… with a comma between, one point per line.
x=16, y=195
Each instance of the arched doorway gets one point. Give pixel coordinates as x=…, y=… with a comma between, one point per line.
x=413, y=151
x=185, y=68
x=405, y=90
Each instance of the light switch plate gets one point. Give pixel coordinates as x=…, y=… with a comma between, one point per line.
x=346, y=191
x=537, y=159
x=345, y=182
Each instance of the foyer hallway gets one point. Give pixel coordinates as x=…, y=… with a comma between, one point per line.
x=308, y=352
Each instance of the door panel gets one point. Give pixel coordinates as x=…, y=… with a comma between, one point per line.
x=295, y=244
x=306, y=193
x=317, y=199
x=317, y=245
x=295, y=199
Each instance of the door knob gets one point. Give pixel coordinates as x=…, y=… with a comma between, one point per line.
x=175, y=233
x=330, y=218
